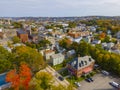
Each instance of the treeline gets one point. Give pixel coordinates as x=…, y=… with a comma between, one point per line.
x=104, y=25
x=106, y=60
x=24, y=70
x=20, y=54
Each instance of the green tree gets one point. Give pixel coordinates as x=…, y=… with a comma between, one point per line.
x=42, y=81
x=33, y=58
x=16, y=39
x=83, y=48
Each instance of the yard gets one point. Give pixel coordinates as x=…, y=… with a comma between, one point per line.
x=58, y=67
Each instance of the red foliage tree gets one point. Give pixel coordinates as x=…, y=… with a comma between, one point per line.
x=14, y=78
x=25, y=75
x=19, y=79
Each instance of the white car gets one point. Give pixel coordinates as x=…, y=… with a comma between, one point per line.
x=78, y=84
x=114, y=84
x=105, y=72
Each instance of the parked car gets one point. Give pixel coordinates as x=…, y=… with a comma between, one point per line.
x=91, y=79
x=114, y=84
x=88, y=80
x=61, y=78
x=77, y=84
x=105, y=72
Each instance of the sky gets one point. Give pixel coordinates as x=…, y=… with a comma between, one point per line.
x=59, y=8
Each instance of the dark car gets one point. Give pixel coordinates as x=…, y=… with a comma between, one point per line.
x=91, y=79
x=61, y=78
x=88, y=80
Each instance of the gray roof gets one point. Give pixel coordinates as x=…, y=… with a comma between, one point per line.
x=21, y=32
x=81, y=62
x=57, y=55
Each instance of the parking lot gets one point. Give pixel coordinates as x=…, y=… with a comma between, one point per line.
x=101, y=82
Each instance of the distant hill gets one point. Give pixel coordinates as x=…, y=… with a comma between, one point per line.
x=63, y=18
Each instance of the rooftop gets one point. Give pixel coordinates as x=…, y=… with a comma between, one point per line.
x=81, y=62
x=48, y=51
x=57, y=55
x=21, y=32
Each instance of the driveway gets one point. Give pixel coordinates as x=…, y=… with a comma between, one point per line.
x=101, y=82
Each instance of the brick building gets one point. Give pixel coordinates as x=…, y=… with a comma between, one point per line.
x=81, y=66
x=22, y=35
x=78, y=34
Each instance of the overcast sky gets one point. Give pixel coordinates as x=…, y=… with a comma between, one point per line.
x=59, y=7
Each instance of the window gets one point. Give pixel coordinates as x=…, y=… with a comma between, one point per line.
x=90, y=59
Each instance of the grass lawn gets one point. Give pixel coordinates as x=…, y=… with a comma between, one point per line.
x=64, y=73
x=58, y=67
x=72, y=80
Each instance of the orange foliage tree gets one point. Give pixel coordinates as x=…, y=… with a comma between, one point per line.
x=21, y=78
x=102, y=35
x=25, y=75
x=14, y=78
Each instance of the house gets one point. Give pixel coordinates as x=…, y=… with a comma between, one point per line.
x=118, y=35
x=71, y=53
x=57, y=59
x=1, y=34
x=81, y=66
x=87, y=39
x=48, y=53
x=34, y=38
x=77, y=39
x=22, y=35
x=96, y=41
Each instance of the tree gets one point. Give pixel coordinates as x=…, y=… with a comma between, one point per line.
x=83, y=48
x=15, y=39
x=65, y=43
x=17, y=25
x=14, y=78
x=42, y=81
x=44, y=43
x=21, y=78
x=25, y=75
x=29, y=55
x=72, y=24
x=5, y=63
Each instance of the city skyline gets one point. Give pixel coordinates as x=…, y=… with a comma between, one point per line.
x=59, y=8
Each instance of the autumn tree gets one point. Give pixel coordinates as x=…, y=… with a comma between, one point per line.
x=42, y=81
x=25, y=75
x=21, y=78
x=29, y=55
x=65, y=43
x=14, y=79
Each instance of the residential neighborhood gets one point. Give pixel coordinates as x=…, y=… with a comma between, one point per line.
x=70, y=54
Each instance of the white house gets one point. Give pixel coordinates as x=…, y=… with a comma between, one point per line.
x=48, y=53
x=70, y=53
x=57, y=59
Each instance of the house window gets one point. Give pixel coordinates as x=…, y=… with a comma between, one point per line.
x=79, y=64
x=90, y=60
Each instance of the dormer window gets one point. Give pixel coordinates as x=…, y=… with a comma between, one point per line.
x=90, y=59
x=85, y=62
x=79, y=64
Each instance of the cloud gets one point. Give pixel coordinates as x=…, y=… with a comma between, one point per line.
x=59, y=7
